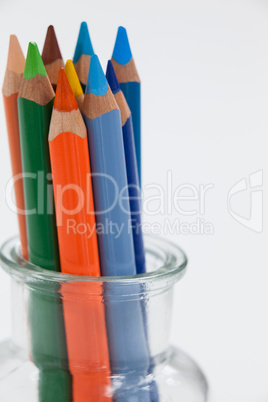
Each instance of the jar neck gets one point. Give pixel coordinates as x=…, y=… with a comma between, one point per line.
x=142, y=313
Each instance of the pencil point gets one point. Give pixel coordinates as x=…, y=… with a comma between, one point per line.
x=73, y=78
x=111, y=78
x=96, y=82
x=64, y=98
x=34, y=64
x=122, y=52
x=83, y=45
x=15, y=59
x=51, y=51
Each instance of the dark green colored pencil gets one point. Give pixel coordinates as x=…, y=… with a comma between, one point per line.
x=48, y=342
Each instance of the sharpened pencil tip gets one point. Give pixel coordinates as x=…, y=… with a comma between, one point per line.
x=122, y=52
x=64, y=98
x=73, y=78
x=83, y=45
x=96, y=83
x=111, y=78
x=34, y=64
x=51, y=51
x=15, y=59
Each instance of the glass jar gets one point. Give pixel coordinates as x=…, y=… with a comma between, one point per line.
x=41, y=363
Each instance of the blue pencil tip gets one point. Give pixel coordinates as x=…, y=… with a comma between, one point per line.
x=122, y=53
x=83, y=45
x=96, y=81
x=111, y=78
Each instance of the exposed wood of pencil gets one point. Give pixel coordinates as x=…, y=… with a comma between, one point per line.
x=66, y=122
x=11, y=83
x=12, y=80
x=127, y=72
x=53, y=71
x=37, y=89
x=51, y=56
x=95, y=106
x=123, y=106
x=82, y=68
x=80, y=101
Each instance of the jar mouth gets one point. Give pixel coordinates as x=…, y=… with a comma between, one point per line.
x=170, y=263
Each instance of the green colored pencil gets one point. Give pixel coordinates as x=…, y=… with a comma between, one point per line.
x=35, y=104
x=48, y=342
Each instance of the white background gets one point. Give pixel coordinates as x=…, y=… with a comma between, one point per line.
x=204, y=70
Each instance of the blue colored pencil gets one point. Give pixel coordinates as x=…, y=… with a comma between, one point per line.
x=83, y=52
x=131, y=166
x=133, y=191
x=129, y=81
x=128, y=349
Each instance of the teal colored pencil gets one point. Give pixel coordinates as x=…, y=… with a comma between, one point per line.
x=82, y=55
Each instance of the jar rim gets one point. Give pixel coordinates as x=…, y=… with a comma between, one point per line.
x=173, y=267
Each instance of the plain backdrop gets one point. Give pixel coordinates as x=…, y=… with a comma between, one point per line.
x=204, y=71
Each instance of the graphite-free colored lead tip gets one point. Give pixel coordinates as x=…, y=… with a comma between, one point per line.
x=16, y=59
x=111, y=78
x=83, y=45
x=122, y=52
x=73, y=78
x=64, y=98
x=51, y=51
x=34, y=64
x=96, y=81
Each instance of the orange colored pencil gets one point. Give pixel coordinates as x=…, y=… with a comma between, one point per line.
x=83, y=313
x=12, y=80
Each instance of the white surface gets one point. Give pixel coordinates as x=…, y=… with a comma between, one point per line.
x=204, y=68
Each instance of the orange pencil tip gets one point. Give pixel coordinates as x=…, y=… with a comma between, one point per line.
x=16, y=59
x=64, y=98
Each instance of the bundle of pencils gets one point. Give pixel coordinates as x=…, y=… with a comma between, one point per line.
x=86, y=139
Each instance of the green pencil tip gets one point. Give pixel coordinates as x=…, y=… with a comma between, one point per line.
x=34, y=64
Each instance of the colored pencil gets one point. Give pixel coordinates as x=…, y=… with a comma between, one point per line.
x=133, y=192
x=84, y=317
x=82, y=55
x=12, y=80
x=52, y=57
x=74, y=82
x=48, y=343
x=128, y=78
x=35, y=103
x=131, y=166
x=128, y=348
